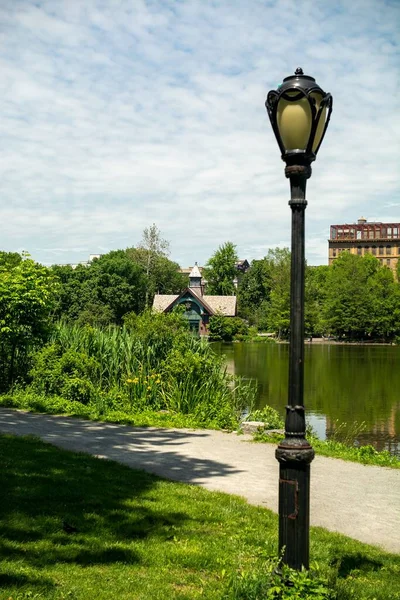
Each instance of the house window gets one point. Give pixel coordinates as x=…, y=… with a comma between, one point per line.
x=366, y=250
x=388, y=262
x=388, y=250
x=374, y=250
x=381, y=250
x=334, y=252
x=359, y=250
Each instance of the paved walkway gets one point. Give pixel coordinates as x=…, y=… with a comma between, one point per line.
x=360, y=501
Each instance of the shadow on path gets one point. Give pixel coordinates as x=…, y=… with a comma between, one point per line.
x=160, y=451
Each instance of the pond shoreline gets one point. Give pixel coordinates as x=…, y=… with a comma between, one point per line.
x=346, y=385
x=339, y=343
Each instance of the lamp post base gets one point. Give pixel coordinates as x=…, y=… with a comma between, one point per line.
x=294, y=456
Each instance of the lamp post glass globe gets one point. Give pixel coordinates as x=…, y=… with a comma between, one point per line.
x=299, y=111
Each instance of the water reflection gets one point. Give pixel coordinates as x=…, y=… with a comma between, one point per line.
x=342, y=384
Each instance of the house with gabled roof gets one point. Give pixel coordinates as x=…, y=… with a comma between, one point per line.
x=198, y=307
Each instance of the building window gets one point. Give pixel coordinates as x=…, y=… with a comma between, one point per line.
x=366, y=250
x=388, y=250
x=359, y=250
x=374, y=250
x=334, y=252
x=388, y=262
x=381, y=250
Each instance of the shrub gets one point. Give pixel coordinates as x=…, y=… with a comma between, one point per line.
x=279, y=582
x=268, y=415
x=145, y=366
x=227, y=328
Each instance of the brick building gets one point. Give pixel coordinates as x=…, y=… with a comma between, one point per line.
x=379, y=239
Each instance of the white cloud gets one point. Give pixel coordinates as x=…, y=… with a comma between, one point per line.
x=119, y=114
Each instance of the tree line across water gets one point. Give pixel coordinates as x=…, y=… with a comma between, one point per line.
x=354, y=299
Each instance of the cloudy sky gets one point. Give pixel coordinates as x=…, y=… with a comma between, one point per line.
x=116, y=114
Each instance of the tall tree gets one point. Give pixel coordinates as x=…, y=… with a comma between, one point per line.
x=221, y=271
x=102, y=292
x=278, y=309
x=153, y=247
x=315, y=295
x=254, y=291
x=27, y=295
x=163, y=277
x=348, y=305
x=385, y=299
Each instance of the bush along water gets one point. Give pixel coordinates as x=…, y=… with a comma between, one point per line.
x=151, y=364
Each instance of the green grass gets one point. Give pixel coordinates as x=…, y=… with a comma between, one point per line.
x=139, y=537
x=54, y=405
x=366, y=455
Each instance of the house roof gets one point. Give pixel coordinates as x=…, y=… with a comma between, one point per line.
x=162, y=301
x=223, y=304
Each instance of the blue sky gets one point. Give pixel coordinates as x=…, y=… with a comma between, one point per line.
x=116, y=114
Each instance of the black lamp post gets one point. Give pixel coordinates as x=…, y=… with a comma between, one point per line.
x=299, y=112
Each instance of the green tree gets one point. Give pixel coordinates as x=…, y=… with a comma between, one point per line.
x=10, y=259
x=315, y=295
x=102, y=292
x=277, y=310
x=27, y=296
x=164, y=276
x=264, y=293
x=348, y=305
x=152, y=247
x=385, y=304
x=254, y=290
x=220, y=271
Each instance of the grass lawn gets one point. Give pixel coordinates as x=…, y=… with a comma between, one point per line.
x=140, y=537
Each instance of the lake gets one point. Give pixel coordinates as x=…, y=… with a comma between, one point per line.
x=342, y=384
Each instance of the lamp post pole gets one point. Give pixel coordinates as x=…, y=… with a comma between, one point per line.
x=294, y=453
x=299, y=111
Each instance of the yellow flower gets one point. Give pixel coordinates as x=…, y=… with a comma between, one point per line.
x=149, y=388
x=158, y=380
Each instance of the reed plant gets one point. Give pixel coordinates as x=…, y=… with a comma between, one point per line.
x=146, y=365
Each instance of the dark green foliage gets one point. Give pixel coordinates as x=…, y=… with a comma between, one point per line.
x=161, y=274
x=315, y=296
x=220, y=271
x=263, y=295
x=102, y=292
x=354, y=299
x=362, y=299
x=117, y=283
x=27, y=295
x=10, y=259
x=226, y=329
